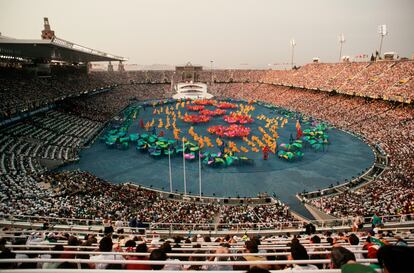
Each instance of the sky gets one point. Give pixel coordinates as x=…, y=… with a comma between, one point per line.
x=231, y=33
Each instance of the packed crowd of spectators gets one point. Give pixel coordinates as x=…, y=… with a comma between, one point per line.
x=384, y=123
x=21, y=94
x=271, y=216
x=58, y=135
x=351, y=252
x=390, y=80
x=135, y=77
x=80, y=195
x=104, y=106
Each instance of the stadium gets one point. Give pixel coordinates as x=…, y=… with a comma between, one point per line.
x=307, y=168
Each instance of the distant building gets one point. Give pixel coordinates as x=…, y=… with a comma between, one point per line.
x=188, y=73
x=389, y=56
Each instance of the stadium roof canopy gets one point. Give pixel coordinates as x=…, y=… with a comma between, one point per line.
x=55, y=49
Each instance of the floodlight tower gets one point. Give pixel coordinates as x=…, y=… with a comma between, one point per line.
x=292, y=45
x=47, y=32
x=382, y=30
x=341, y=39
x=110, y=67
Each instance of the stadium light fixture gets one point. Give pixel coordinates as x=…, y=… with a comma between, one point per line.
x=199, y=172
x=211, y=72
x=292, y=45
x=341, y=39
x=169, y=167
x=185, y=180
x=382, y=30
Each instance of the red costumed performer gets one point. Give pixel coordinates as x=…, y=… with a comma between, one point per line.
x=265, y=151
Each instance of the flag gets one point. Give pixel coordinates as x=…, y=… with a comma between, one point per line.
x=377, y=241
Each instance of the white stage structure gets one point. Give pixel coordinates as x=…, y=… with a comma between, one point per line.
x=191, y=90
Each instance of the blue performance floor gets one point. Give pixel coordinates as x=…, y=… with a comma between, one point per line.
x=345, y=157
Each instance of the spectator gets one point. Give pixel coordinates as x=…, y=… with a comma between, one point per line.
x=108, y=228
x=217, y=267
x=197, y=258
x=7, y=254
x=357, y=223
x=51, y=265
x=315, y=240
x=310, y=228
x=158, y=255
x=376, y=221
x=252, y=247
x=141, y=248
x=353, y=240
x=341, y=256
x=298, y=252
x=395, y=259
x=105, y=245
x=356, y=268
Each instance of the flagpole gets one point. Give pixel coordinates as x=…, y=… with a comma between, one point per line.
x=199, y=171
x=185, y=182
x=169, y=166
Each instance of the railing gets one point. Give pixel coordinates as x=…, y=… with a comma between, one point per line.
x=164, y=271
x=185, y=247
x=177, y=255
x=23, y=115
x=177, y=262
x=151, y=271
x=208, y=199
x=389, y=221
x=91, y=225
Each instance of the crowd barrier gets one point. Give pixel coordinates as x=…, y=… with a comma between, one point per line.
x=151, y=271
x=180, y=263
x=91, y=225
